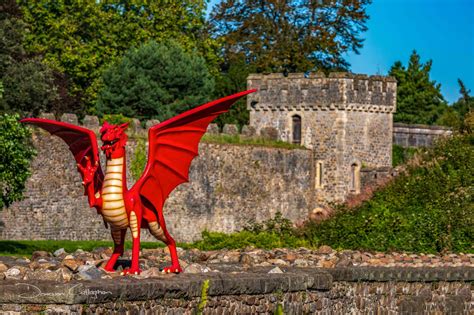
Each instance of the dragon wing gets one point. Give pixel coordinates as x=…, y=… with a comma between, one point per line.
x=173, y=144
x=82, y=143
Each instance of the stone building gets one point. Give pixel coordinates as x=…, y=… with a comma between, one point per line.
x=345, y=119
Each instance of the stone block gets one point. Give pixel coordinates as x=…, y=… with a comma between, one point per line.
x=135, y=126
x=70, y=118
x=212, y=129
x=248, y=131
x=269, y=133
x=47, y=116
x=91, y=122
x=150, y=123
x=230, y=129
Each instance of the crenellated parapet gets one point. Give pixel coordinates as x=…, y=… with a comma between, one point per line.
x=136, y=126
x=316, y=91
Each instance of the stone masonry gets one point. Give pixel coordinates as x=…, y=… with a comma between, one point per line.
x=229, y=187
x=345, y=119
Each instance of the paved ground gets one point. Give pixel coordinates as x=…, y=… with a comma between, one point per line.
x=64, y=267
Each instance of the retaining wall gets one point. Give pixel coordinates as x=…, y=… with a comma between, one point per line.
x=359, y=290
x=418, y=135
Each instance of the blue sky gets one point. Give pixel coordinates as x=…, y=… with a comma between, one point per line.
x=439, y=30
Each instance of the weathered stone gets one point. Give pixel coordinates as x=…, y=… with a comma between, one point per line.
x=3, y=267
x=194, y=268
x=47, y=116
x=324, y=249
x=150, y=123
x=13, y=273
x=248, y=131
x=213, y=129
x=70, y=118
x=72, y=264
x=275, y=270
x=91, y=122
x=135, y=126
x=88, y=272
x=39, y=254
x=230, y=129
x=59, y=252
x=278, y=262
x=269, y=133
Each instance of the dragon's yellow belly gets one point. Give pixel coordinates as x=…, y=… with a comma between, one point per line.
x=113, y=205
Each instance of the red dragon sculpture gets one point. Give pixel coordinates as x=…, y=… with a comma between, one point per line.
x=173, y=144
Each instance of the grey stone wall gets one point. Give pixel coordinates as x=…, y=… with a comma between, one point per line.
x=418, y=135
x=230, y=187
x=346, y=120
x=295, y=291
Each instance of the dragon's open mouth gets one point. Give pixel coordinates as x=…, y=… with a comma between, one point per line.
x=111, y=142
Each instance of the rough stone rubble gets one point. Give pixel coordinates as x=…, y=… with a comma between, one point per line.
x=61, y=266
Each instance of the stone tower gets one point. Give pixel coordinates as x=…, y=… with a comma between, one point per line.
x=345, y=119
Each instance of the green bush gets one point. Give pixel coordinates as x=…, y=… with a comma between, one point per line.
x=429, y=209
x=115, y=119
x=15, y=154
x=401, y=155
x=156, y=80
x=139, y=159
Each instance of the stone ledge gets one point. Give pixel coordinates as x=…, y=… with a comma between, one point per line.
x=186, y=286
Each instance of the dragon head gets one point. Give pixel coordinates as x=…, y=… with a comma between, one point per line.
x=114, y=139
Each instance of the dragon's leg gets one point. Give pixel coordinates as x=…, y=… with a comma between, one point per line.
x=119, y=240
x=169, y=241
x=135, y=225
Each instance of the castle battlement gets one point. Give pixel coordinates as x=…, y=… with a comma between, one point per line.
x=316, y=91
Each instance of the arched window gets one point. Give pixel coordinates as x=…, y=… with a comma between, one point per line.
x=355, y=178
x=296, y=120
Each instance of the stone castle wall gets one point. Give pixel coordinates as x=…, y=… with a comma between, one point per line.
x=346, y=120
x=418, y=135
x=230, y=186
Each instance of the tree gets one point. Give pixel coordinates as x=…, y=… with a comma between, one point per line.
x=419, y=100
x=29, y=88
x=15, y=155
x=155, y=81
x=465, y=103
x=290, y=35
x=82, y=38
x=232, y=79
x=27, y=83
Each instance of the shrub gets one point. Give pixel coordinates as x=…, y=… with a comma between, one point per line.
x=156, y=80
x=15, y=154
x=428, y=209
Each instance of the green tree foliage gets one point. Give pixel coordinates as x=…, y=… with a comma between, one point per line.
x=15, y=155
x=155, y=81
x=28, y=83
x=82, y=38
x=419, y=100
x=282, y=36
x=290, y=35
x=232, y=79
x=455, y=116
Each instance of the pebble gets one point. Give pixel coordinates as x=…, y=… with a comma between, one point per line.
x=59, y=252
x=275, y=270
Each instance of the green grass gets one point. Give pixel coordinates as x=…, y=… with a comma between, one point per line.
x=238, y=140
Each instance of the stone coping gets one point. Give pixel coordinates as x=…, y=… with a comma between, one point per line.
x=185, y=286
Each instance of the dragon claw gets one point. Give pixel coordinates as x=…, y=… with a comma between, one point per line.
x=131, y=271
x=172, y=269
